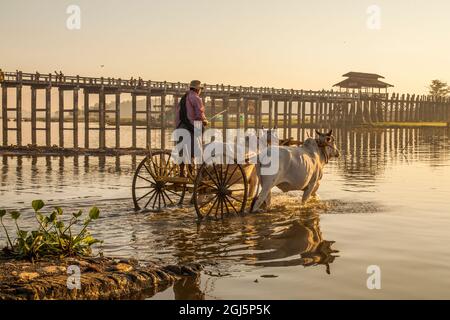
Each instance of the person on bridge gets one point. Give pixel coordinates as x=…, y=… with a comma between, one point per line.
x=191, y=109
x=2, y=75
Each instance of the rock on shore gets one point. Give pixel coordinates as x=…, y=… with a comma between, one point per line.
x=100, y=278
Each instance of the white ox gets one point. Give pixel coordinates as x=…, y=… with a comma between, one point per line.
x=300, y=168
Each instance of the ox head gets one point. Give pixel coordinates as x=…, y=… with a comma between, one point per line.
x=327, y=142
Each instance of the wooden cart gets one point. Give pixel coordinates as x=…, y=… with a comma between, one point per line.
x=216, y=189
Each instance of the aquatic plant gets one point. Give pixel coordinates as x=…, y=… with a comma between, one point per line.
x=52, y=238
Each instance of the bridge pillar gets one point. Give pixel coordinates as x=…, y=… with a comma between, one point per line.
x=5, y=114
x=86, y=118
x=75, y=117
x=133, y=120
x=61, y=117
x=102, y=118
x=33, y=116
x=117, y=119
x=48, y=116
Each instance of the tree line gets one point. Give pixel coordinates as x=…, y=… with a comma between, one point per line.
x=438, y=88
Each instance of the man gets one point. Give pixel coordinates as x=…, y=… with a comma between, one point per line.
x=2, y=76
x=191, y=109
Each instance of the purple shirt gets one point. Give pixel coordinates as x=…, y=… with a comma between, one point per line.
x=194, y=108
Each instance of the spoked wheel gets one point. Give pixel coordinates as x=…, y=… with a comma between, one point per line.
x=155, y=185
x=220, y=190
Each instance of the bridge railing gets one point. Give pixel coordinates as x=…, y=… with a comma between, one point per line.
x=61, y=79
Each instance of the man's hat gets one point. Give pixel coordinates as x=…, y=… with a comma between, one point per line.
x=196, y=84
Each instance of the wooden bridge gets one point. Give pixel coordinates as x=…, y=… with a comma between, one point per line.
x=248, y=107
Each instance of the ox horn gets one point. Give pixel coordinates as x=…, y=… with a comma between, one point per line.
x=329, y=133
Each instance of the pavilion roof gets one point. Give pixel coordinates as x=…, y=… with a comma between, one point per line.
x=358, y=80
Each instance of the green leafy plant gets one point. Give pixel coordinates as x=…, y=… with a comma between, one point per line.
x=53, y=238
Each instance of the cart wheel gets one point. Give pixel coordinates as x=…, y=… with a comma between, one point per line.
x=219, y=190
x=150, y=188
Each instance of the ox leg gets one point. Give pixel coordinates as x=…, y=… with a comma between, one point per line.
x=314, y=192
x=262, y=197
x=308, y=191
x=311, y=188
x=252, y=185
x=268, y=199
x=306, y=194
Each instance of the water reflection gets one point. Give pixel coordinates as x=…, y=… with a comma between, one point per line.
x=285, y=237
x=188, y=289
x=299, y=242
x=228, y=247
x=271, y=239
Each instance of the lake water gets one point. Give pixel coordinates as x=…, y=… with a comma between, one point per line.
x=385, y=202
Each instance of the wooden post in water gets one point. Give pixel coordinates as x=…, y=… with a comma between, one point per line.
x=163, y=119
x=407, y=108
x=5, y=113
x=327, y=113
x=86, y=118
x=402, y=107
x=213, y=111
x=422, y=107
x=19, y=113
x=303, y=102
x=316, y=113
x=429, y=111
x=446, y=111
x=321, y=112
x=271, y=112
x=359, y=112
x=312, y=113
x=133, y=120
x=238, y=112
x=440, y=115
x=48, y=115
x=61, y=117
x=423, y=102
x=368, y=114
x=299, y=118
x=353, y=110
x=259, y=112
x=276, y=114
x=417, y=108
x=371, y=105
x=388, y=109
x=290, y=118
x=343, y=112
x=117, y=119
x=412, y=106
x=397, y=107
x=285, y=115
x=379, y=108
x=102, y=118
x=225, y=104
x=245, y=113
x=33, y=115
x=75, y=117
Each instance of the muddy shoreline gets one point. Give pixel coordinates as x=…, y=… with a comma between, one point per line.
x=101, y=278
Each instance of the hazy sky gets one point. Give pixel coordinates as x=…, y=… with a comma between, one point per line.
x=285, y=43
